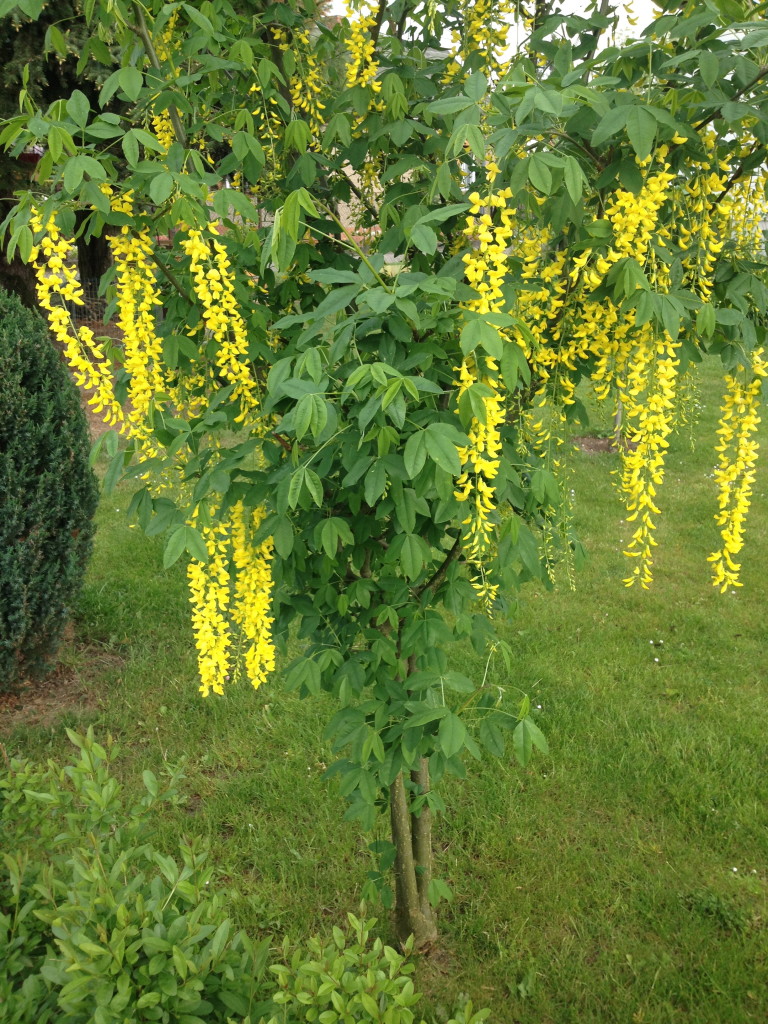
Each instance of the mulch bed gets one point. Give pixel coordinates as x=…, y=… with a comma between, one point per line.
x=601, y=445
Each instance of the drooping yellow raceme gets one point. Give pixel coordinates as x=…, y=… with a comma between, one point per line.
x=54, y=261
x=635, y=216
x=484, y=32
x=489, y=229
x=746, y=211
x=214, y=288
x=702, y=231
x=161, y=121
x=307, y=85
x=636, y=363
x=649, y=413
x=232, y=588
x=138, y=298
x=646, y=373
x=253, y=592
x=735, y=473
x=362, y=67
x=210, y=595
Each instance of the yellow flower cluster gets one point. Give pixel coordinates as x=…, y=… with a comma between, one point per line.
x=485, y=27
x=631, y=361
x=649, y=413
x=362, y=67
x=137, y=299
x=307, y=84
x=210, y=595
x=635, y=217
x=480, y=459
x=217, y=601
x=163, y=129
x=253, y=591
x=161, y=122
x=269, y=127
x=746, y=210
x=488, y=231
x=54, y=260
x=735, y=473
x=700, y=233
x=214, y=288
x=640, y=363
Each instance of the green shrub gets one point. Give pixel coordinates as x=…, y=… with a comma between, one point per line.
x=96, y=924
x=48, y=494
x=350, y=980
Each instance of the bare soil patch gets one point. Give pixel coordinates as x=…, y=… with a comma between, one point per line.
x=96, y=424
x=67, y=688
x=593, y=445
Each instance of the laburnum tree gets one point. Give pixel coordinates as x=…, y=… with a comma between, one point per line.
x=366, y=270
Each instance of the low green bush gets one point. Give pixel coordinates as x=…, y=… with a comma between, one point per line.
x=350, y=980
x=48, y=494
x=98, y=925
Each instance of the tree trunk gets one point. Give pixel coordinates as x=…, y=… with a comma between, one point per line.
x=421, y=836
x=93, y=260
x=411, y=836
x=93, y=257
x=15, y=275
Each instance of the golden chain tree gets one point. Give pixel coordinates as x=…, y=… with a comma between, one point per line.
x=344, y=382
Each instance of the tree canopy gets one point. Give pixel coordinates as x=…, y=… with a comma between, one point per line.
x=366, y=271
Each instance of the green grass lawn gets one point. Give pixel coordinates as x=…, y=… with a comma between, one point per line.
x=622, y=879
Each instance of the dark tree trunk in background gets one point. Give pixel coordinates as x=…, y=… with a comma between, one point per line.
x=93, y=256
x=15, y=276
x=19, y=279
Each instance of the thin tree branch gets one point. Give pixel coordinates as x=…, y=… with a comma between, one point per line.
x=437, y=577
x=142, y=32
x=379, y=19
x=421, y=837
x=762, y=73
x=353, y=188
x=735, y=177
x=171, y=277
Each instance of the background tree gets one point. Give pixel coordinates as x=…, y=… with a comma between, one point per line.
x=46, y=54
x=355, y=421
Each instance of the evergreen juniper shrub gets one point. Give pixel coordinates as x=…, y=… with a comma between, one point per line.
x=48, y=495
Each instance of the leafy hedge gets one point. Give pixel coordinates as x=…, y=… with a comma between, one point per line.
x=48, y=494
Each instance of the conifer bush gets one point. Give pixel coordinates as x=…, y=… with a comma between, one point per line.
x=48, y=495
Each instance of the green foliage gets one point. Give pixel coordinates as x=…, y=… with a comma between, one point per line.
x=350, y=980
x=39, y=59
x=96, y=923
x=654, y=792
x=48, y=494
